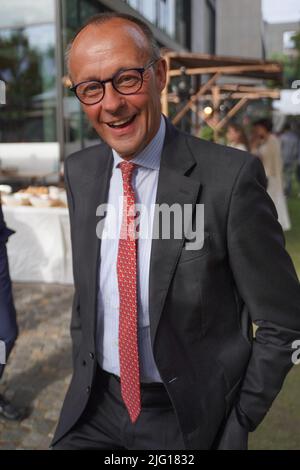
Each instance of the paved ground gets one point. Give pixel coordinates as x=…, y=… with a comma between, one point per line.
x=39, y=368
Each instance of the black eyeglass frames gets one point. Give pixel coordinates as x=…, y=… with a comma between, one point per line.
x=125, y=82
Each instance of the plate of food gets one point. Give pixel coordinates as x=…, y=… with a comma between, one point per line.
x=14, y=200
x=5, y=189
x=41, y=201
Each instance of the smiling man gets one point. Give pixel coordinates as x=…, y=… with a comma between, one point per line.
x=162, y=347
x=125, y=63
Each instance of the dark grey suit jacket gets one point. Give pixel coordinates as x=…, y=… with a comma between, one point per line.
x=202, y=303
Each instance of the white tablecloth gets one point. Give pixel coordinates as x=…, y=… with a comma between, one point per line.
x=40, y=250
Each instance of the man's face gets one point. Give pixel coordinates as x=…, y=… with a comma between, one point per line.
x=232, y=135
x=260, y=133
x=98, y=53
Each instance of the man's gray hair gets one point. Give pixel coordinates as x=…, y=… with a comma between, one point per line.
x=102, y=18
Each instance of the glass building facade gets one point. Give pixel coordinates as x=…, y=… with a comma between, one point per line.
x=27, y=66
x=41, y=121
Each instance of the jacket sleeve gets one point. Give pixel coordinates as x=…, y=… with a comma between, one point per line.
x=8, y=323
x=5, y=232
x=268, y=284
x=75, y=327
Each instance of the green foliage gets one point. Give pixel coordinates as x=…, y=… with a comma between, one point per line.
x=207, y=133
x=289, y=68
x=296, y=40
x=21, y=62
x=290, y=63
x=29, y=73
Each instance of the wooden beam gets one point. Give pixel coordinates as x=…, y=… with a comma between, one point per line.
x=228, y=69
x=164, y=96
x=231, y=113
x=239, y=87
x=195, y=97
x=215, y=93
x=250, y=89
x=252, y=96
x=235, y=96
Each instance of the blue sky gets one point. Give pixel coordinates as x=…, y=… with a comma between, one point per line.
x=281, y=11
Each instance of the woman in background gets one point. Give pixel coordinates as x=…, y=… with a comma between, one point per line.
x=267, y=147
x=236, y=137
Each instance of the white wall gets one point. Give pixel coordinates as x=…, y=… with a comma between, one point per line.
x=30, y=159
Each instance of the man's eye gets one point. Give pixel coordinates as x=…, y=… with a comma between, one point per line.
x=127, y=80
x=91, y=89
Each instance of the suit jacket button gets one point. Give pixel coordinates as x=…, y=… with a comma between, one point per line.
x=88, y=390
x=92, y=355
x=84, y=363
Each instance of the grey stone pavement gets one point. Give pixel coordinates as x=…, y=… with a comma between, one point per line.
x=39, y=369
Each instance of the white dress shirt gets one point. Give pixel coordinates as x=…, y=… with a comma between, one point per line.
x=144, y=182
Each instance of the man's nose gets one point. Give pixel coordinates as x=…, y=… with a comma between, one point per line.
x=112, y=99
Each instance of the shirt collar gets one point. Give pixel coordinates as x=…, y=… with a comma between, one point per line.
x=150, y=156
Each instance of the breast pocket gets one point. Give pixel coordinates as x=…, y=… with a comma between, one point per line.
x=190, y=252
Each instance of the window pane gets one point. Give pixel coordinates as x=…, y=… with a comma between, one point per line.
x=27, y=64
x=16, y=13
x=78, y=131
x=149, y=10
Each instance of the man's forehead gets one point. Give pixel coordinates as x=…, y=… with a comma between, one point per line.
x=110, y=35
x=101, y=50
x=100, y=60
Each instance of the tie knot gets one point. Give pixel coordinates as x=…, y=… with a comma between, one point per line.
x=127, y=170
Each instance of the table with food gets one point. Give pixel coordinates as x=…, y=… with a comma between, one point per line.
x=40, y=249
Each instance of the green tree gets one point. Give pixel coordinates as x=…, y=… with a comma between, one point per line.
x=296, y=40
x=19, y=65
x=290, y=63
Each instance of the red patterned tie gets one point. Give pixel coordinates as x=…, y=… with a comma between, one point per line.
x=126, y=270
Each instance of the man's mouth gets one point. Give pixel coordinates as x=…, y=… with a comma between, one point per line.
x=121, y=123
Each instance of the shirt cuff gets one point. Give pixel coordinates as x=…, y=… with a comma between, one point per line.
x=2, y=352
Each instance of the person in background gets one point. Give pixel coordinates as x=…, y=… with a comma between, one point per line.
x=267, y=147
x=298, y=170
x=236, y=137
x=289, y=149
x=8, y=321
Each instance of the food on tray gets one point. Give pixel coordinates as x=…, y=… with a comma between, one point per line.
x=5, y=189
x=14, y=200
x=37, y=196
x=40, y=201
x=34, y=190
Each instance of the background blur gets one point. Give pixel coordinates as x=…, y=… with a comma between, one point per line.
x=41, y=123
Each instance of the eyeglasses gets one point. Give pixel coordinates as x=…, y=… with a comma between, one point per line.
x=125, y=82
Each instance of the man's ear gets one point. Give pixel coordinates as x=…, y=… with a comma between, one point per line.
x=67, y=81
x=161, y=74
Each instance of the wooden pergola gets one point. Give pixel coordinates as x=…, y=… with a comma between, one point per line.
x=219, y=79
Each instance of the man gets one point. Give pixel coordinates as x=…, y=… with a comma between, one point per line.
x=8, y=323
x=162, y=348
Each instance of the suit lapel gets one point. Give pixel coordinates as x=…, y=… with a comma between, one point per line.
x=174, y=187
x=96, y=186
